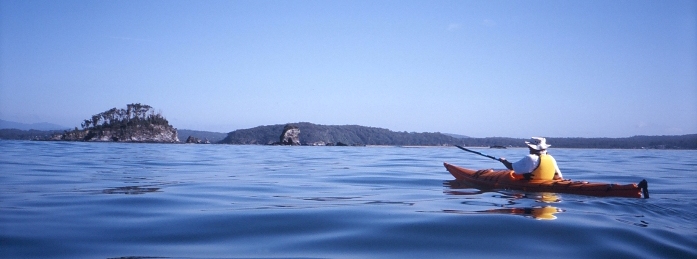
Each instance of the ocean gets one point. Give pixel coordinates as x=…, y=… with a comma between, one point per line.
x=126, y=200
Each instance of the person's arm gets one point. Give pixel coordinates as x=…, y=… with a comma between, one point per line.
x=557, y=172
x=505, y=162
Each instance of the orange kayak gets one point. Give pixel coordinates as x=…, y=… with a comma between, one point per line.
x=504, y=179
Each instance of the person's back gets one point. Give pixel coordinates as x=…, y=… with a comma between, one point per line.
x=546, y=168
x=538, y=165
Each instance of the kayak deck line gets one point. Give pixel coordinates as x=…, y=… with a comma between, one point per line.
x=505, y=179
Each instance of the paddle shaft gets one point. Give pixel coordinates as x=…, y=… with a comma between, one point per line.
x=478, y=153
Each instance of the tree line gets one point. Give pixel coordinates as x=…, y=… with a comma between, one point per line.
x=311, y=134
x=17, y=134
x=134, y=114
x=360, y=135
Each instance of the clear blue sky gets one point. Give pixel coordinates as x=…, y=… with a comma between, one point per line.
x=477, y=68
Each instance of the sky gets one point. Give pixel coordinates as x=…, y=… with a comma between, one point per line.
x=476, y=68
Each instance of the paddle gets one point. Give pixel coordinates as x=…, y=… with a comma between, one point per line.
x=478, y=153
x=505, y=162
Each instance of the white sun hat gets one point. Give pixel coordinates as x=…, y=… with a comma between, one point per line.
x=538, y=143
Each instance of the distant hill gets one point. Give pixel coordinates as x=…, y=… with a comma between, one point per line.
x=213, y=137
x=33, y=126
x=314, y=134
x=653, y=142
x=636, y=142
x=16, y=134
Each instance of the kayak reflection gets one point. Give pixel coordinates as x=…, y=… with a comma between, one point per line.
x=548, y=197
x=460, y=188
x=541, y=213
x=537, y=212
x=544, y=197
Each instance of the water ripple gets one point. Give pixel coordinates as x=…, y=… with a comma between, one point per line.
x=116, y=200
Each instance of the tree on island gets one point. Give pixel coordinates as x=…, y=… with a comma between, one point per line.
x=137, y=123
x=134, y=114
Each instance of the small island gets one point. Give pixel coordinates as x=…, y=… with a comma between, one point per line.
x=136, y=123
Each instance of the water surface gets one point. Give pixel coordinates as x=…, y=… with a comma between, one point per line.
x=112, y=200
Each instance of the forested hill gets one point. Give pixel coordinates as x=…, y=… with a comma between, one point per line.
x=636, y=142
x=313, y=134
x=657, y=142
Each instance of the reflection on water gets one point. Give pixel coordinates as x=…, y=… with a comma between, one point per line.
x=547, y=197
x=478, y=198
x=460, y=188
x=130, y=190
x=541, y=213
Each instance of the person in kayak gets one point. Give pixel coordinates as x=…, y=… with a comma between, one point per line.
x=538, y=165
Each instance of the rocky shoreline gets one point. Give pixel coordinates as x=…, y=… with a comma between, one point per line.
x=151, y=134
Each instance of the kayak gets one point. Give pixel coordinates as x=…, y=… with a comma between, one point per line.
x=504, y=179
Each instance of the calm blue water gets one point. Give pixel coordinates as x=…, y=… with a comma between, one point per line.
x=111, y=200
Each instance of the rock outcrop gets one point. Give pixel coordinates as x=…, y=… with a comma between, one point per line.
x=195, y=140
x=290, y=135
x=152, y=133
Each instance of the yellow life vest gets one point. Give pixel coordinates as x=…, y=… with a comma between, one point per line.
x=545, y=169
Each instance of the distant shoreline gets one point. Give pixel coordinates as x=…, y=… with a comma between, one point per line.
x=368, y=146
x=674, y=142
